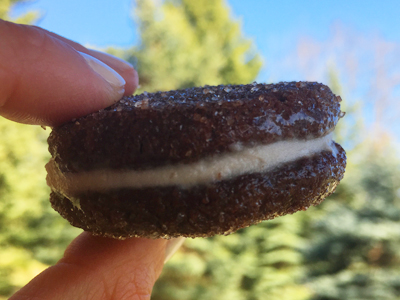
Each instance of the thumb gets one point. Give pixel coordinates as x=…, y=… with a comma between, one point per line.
x=47, y=81
x=103, y=269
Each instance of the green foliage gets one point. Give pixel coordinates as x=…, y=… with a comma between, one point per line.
x=355, y=245
x=250, y=264
x=32, y=234
x=354, y=236
x=190, y=43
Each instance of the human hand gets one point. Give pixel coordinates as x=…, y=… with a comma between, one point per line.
x=44, y=80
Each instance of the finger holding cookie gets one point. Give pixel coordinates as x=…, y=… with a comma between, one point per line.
x=48, y=80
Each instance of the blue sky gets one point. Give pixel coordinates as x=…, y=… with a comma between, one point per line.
x=104, y=22
x=276, y=27
x=273, y=25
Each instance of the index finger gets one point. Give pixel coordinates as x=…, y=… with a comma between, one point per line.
x=47, y=81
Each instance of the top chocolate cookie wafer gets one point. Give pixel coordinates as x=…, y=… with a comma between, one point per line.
x=186, y=125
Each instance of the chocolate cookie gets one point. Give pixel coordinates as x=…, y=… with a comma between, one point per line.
x=197, y=162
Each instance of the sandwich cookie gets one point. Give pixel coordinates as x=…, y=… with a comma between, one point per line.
x=197, y=162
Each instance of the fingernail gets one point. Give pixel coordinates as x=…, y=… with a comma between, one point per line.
x=109, y=58
x=111, y=76
x=172, y=246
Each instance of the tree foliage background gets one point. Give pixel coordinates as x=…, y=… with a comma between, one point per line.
x=347, y=248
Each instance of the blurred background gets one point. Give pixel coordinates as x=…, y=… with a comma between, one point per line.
x=346, y=248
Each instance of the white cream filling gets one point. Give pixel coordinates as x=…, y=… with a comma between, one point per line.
x=220, y=167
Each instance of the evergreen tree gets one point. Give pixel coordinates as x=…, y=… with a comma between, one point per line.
x=355, y=248
x=190, y=43
x=258, y=262
x=354, y=237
